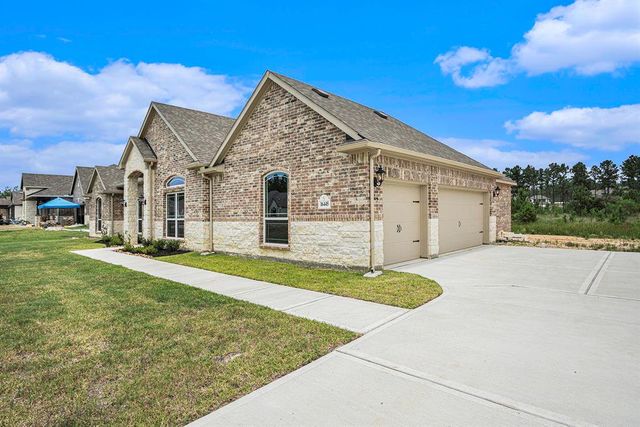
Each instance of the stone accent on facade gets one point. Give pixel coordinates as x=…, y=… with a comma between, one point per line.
x=432, y=237
x=172, y=160
x=502, y=209
x=112, y=221
x=338, y=243
x=29, y=210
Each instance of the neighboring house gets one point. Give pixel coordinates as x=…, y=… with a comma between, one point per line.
x=104, y=200
x=540, y=200
x=15, y=209
x=79, y=188
x=294, y=179
x=166, y=195
x=40, y=188
x=5, y=208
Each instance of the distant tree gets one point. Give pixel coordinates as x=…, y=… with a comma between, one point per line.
x=8, y=190
x=595, y=174
x=554, y=177
x=608, y=176
x=563, y=182
x=530, y=177
x=631, y=172
x=580, y=176
x=515, y=173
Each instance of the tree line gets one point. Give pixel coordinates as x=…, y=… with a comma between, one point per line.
x=599, y=190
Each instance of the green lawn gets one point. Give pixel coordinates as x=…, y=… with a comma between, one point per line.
x=88, y=343
x=582, y=227
x=392, y=288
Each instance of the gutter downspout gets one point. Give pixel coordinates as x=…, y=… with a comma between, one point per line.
x=111, y=225
x=372, y=229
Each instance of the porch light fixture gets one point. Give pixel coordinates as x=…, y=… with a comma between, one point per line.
x=124, y=203
x=378, y=179
x=496, y=191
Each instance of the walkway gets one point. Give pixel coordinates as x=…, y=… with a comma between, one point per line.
x=348, y=313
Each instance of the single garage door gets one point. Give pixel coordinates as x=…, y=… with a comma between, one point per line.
x=460, y=219
x=401, y=222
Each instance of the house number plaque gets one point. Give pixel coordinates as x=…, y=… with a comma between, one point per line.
x=324, y=202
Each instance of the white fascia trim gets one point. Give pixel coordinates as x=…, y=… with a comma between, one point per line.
x=390, y=150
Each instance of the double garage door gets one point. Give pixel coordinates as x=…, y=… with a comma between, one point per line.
x=460, y=223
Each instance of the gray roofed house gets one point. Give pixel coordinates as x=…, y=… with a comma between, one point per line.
x=201, y=132
x=16, y=198
x=375, y=127
x=45, y=185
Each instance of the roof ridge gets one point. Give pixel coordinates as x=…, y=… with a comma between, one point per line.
x=191, y=109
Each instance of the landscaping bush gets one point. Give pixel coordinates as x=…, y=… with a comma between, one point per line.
x=159, y=247
x=115, y=240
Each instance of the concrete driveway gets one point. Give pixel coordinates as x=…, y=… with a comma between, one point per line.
x=521, y=336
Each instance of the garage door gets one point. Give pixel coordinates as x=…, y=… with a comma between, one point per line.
x=401, y=222
x=460, y=219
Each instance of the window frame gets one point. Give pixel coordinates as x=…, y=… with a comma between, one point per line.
x=176, y=218
x=266, y=218
x=99, y=215
x=169, y=185
x=140, y=217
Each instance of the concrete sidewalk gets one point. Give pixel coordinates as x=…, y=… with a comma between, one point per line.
x=348, y=313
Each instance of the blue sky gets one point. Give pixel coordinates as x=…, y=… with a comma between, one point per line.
x=506, y=82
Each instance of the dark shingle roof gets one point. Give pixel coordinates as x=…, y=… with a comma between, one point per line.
x=112, y=177
x=145, y=149
x=5, y=201
x=83, y=175
x=53, y=185
x=202, y=132
x=16, y=198
x=371, y=126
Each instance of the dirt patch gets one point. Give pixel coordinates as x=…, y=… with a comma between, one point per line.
x=574, y=242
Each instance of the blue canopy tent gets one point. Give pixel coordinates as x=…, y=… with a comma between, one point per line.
x=58, y=204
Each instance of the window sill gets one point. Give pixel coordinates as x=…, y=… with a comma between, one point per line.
x=275, y=246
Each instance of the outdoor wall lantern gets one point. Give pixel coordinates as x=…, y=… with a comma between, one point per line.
x=378, y=179
x=496, y=191
x=124, y=203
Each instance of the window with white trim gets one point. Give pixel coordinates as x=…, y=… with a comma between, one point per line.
x=175, y=215
x=99, y=215
x=176, y=181
x=276, y=211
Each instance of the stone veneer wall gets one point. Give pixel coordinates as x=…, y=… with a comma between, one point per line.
x=29, y=210
x=172, y=161
x=111, y=224
x=283, y=134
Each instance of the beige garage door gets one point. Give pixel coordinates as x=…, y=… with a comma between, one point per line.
x=460, y=219
x=401, y=222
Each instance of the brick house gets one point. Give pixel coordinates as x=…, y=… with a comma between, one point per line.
x=305, y=175
x=295, y=178
x=79, y=191
x=39, y=188
x=104, y=201
x=165, y=194
x=5, y=208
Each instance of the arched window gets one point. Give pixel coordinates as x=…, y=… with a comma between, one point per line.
x=276, y=208
x=176, y=181
x=98, y=215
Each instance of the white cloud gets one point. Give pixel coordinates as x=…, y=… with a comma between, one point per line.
x=601, y=128
x=587, y=37
x=500, y=154
x=40, y=96
x=17, y=156
x=485, y=69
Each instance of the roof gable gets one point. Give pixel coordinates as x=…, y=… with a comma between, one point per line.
x=109, y=178
x=143, y=148
x=359, y=122
x=82, y=176
x=199, y=132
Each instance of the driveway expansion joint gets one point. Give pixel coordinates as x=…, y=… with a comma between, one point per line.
x=596, y=273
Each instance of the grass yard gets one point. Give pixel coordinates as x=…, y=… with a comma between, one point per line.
x=83, y=342
x=392, y=288
x=582, y=227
